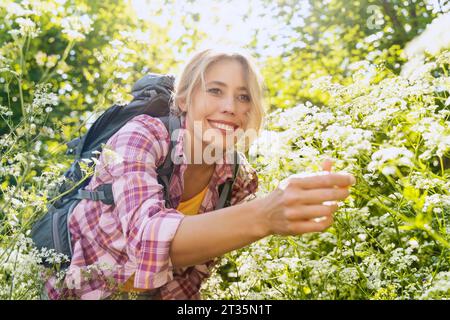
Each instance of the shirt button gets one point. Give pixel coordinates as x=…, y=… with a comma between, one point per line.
x=139, y=158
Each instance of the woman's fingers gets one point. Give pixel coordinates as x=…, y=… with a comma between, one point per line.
x=310, y=212
x=293, y=197
x=323, y=181
x=301, y=227
x=304, y=200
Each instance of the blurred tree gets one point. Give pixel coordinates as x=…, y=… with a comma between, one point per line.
x=89, y=70
x=326, y=37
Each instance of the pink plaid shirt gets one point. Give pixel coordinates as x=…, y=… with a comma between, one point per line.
x=113, y=242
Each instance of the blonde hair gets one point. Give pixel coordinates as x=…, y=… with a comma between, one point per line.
x=193, y=74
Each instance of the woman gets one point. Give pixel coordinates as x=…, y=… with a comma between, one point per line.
x=140, y=246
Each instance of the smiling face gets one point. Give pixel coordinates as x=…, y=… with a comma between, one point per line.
x=219, y=111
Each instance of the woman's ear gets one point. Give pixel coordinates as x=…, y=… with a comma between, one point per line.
x=182, y=105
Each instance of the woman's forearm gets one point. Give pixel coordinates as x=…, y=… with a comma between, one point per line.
x=203, y=237
x=296, y=209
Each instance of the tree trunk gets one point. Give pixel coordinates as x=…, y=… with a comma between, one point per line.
x=398, y=26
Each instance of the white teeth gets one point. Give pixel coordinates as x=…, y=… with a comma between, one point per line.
x=223, y=126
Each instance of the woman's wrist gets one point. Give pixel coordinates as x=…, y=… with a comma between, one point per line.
x=262, y=209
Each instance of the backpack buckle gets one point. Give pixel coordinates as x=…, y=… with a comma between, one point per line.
x=72, y=145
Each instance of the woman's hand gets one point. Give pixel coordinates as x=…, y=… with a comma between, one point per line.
x=306, y=203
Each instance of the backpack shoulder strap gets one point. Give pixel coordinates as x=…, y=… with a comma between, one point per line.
x=225, y=190
x=165, y=171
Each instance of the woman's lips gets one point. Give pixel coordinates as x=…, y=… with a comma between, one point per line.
x=223, y=126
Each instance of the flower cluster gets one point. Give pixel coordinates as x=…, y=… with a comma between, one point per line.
x=75, y=27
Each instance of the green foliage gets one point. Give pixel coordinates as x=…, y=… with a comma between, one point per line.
x=327, y=37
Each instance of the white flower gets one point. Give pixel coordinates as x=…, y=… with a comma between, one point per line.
x=433, y=39
x=388, y=170
x=27, y=27
x=40, y=58
x=436, y=200
x=362, y=236
x=43, y=99
x=436, y=134
x=385, y=159
x=351, y=140
x=349, y=276
x=74, y=35
x=439, y=288
x=413, y=243
x=15, y=9
x=111, y=157
x=116, y=43
x=75, y=27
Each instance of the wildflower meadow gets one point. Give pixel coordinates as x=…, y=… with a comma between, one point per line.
x=363, y=83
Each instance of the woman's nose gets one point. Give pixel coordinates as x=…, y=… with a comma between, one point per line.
x=228, y=105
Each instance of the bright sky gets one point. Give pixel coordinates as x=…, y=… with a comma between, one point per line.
x=221, y=20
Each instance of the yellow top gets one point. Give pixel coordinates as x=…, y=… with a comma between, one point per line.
x=188, y=207
x=191, y=206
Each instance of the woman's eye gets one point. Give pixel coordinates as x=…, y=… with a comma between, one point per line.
x=214, y=90
x=244, y=98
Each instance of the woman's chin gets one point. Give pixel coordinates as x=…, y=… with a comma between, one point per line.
x=219, y=148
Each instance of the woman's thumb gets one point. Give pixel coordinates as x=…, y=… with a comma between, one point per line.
x=327, y=164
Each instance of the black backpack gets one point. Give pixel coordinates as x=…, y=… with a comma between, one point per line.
x=152, y=96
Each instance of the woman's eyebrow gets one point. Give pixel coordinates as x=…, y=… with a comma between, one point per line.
x=220, y=83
